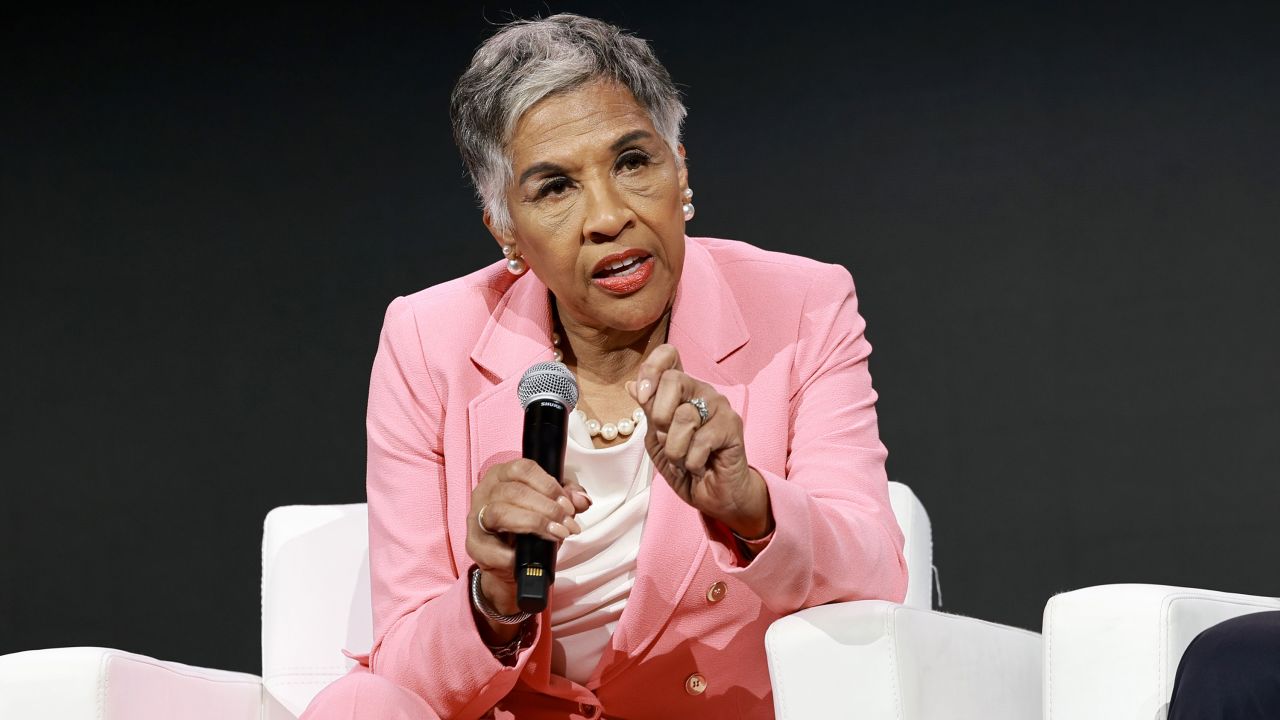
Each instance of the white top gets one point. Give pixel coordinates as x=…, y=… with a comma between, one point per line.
x=596, y=569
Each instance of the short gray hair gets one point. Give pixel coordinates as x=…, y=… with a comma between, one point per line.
x=529, y=60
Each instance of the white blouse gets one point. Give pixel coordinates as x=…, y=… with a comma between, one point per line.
x=596, y=569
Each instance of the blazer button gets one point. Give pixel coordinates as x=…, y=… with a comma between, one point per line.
x=716, y=592
x=695, y=684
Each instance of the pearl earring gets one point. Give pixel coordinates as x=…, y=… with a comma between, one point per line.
x=687, y=207
x=515, y=263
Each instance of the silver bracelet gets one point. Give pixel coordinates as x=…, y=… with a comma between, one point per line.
x=478, y=600
x=510, y=650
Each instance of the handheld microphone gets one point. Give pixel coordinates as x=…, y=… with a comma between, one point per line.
x=548, y=392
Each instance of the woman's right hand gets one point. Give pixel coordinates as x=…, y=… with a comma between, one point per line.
x=517, y=497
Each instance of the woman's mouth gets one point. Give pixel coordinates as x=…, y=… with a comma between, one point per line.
x=625, y=273
x=621, y=268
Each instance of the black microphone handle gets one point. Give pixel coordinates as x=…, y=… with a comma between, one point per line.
x=546, y=430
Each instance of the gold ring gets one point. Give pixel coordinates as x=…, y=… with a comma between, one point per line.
x=480, y=520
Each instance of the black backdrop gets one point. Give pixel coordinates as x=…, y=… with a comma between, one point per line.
x=1062, y=223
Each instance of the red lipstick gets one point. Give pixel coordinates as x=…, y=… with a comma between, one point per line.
x=624, y=272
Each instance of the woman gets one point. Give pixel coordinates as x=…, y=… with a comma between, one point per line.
x=723, y=467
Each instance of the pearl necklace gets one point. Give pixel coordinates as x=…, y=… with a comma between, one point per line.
x=609, y=431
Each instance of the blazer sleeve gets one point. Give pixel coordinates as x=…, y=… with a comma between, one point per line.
x=836, y=537
x=425, y=637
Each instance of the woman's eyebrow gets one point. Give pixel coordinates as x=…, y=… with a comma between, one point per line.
x=538, y=168
x=629, y=138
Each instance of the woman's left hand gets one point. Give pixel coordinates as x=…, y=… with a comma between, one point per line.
x=704, y=462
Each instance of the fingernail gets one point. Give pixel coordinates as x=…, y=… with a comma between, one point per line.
x=567, y=505
x=646, y=386
x=558, y=530
x=573, y=525
x=580, y=496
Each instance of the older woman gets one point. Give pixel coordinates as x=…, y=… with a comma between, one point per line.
x=723, y=467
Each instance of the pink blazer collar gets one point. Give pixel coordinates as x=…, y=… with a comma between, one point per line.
x=706, y=323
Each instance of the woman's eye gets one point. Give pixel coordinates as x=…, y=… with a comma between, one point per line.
x=554, y=186
x=633, y=160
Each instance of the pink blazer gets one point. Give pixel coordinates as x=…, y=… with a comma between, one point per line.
x=779, y=336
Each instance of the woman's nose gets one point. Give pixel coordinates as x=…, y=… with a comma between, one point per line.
x=607, y=213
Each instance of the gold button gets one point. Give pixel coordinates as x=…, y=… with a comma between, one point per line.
x=716, y=592
x=695, y=684
x=588, y=710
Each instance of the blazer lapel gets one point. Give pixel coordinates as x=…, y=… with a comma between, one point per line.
x=518, y=332
x=517, y=335
x=706, y=323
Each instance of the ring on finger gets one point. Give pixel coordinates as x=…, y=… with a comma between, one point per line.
x=480, y=520
x=701, y=406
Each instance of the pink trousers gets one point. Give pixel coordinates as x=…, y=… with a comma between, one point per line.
x=361, y=695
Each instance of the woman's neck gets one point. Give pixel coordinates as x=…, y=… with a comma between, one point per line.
x=608, y=357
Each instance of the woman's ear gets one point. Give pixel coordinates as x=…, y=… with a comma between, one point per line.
x=684, y=166
x=502, y=236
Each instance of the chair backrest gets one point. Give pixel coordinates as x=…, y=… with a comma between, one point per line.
x=918, y=548
x=315, y=598
x=315, y=590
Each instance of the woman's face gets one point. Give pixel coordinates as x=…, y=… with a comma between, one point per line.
x=596, y=187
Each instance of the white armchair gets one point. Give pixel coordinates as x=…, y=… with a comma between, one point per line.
x=866, y=659
x=877, y=660
x=84, y=683
x=1112, y=651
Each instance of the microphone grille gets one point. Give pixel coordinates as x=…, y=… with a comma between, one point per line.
x=548, y=380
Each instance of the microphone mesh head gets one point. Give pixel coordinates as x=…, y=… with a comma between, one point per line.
x=548, y=380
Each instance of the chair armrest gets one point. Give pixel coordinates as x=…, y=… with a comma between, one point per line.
x=1112, y=651
x=101, y=684
x=880, y=660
